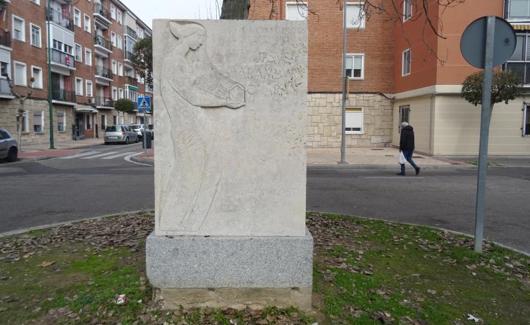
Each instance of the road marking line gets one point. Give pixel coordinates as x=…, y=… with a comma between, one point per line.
x=100, y=155
x=128, y=159
x=80, y=155
x=118, y=155
x=393, y=177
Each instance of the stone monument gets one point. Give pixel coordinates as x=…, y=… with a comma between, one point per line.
x=230, y=164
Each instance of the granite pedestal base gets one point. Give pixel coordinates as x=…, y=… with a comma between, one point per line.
x=231, y=271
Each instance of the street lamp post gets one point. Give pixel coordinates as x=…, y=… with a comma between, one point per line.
x=50, y=104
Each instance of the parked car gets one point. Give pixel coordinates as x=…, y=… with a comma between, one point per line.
x=120, y=134
x=139, y=129
x=8, y=146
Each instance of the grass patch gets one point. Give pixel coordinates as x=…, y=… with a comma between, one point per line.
x=365, y=272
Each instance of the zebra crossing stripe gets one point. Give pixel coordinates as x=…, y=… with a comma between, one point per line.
x=100, y=155
x=118, y=155
x=83, y=154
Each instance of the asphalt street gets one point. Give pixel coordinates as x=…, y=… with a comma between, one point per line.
x=102, y=180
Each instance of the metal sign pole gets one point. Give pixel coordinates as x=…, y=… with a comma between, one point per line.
x=485, y=119
x=344, y=86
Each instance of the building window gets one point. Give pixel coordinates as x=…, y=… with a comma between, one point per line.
x=114, y=93
x=519, y=63
x=103, y=122
x=405, y=62
x=19, y=29
x=120, y=69
x=35, y=36
x=78, y=53
x=87, y=26
x=24, y=123
x=77, y=17
x=89, y=89
x=355, y=16
x=79, y=86
x=119, y=42
x=61, y=122
x=20, y=74
x=5, y=70
x=113, y=11
x=88, y=57
x=296, y=11
x=113, y=38
x=407, y=10
x=114, y=120
x=38, y=122
x=36, y=74
x=119, y=16
x=355, y=66
x=404, y=115
x=354, y=121
x=120, y=93
x=114, y=67
x=518, y=9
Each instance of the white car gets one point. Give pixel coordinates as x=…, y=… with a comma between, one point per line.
x=8, y=146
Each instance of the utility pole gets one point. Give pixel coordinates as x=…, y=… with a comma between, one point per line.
x=344, y=86
x=50, y=104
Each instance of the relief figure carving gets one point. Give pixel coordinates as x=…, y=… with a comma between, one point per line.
x=194, y=77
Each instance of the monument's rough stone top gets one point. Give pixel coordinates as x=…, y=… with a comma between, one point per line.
x=230, y=118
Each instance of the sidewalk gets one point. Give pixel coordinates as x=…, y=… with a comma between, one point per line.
x=62, y=148
x=354, y=156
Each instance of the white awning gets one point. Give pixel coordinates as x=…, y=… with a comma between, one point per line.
x=85, y=109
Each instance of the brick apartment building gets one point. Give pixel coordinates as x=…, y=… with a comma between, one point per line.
x=91, y=46
x=400, y=70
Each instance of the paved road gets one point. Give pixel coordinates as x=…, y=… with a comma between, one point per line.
x=442, y=197
x=100, y=181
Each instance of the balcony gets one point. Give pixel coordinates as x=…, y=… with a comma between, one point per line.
x=5, y=38
x=132, y=81
x=5, y=89
x=102, y=15
x=131, y=32
x=63, y=59
x=103, y=72
x=129, y=55
x=102, y=42
x=60, y=19
x=104, y=102
x=63, y=95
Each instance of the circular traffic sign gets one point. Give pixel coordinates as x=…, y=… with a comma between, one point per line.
x=473, y=42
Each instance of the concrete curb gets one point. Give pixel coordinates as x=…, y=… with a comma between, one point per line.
x=58, y=224
x=141, y=160
x=389, y=167
x=66, y=223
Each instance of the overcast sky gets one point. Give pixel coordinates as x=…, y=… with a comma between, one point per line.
x=147, y=10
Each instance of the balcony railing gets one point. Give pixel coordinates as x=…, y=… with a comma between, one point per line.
x=128, y=55
x=104, y=72
x=102, y=41
x=63, y=95
x=63, y=58
x=5, y=38
x=132, y=81
x=4, y=87
x=100, y=10
x=104, y=101
x=132, y=33
x=58, y=17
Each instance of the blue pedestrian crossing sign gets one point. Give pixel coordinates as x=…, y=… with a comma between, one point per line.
x=144, y=104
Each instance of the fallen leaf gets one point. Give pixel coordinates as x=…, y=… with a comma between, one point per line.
x=46, y=263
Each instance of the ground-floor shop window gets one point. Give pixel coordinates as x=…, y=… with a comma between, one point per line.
x=354, y=121
x=61, y=121
x=38, y=122
x=526, y=120
x=103, y=122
